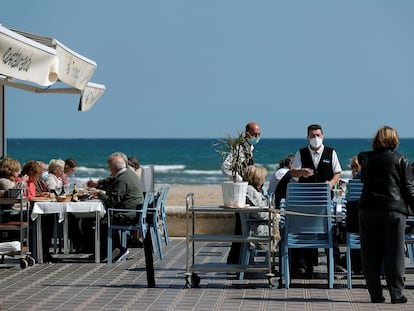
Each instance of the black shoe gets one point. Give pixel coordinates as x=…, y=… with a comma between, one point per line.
x=48, y=258
x=402, y=299
x=134, y=243
x=309, y=273
x=380, y=299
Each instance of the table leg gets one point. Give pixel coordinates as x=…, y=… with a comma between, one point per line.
x=65, y=235
x=39, y=246
x=97, y=238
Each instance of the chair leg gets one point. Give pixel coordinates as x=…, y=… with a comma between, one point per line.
x=410, y=251
x=166, y=236
x=285, y=267
x=109, y=250
x=331, y=269
x=124, y=238
x=156, y=240
x=348, y=267
x=244, y=257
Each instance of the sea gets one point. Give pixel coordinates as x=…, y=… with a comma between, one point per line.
x=176, y=161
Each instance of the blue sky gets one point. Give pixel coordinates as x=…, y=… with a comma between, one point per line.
x=202, y=69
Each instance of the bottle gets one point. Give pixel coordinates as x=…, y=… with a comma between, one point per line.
x=74, y=194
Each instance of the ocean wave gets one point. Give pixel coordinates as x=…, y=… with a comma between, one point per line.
x=168, y=168
x=89, y=171
x=202, y=172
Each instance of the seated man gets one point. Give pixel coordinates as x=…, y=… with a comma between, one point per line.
x=124, y=192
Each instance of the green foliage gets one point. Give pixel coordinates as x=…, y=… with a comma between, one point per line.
x=235, y=147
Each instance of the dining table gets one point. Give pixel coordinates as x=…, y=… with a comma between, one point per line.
x=81, y=208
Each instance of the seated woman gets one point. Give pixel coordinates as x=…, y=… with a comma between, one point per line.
x=54, y=181
x=9, y=175
x=9, y=179
x=256, y=176
x=33, y=170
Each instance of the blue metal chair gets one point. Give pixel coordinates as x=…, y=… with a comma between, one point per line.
x=308, y=223
x=163, y=215
x=409, y=239
x=157, y=223
x=140, y=226
x=248, y=254
x=352, y=238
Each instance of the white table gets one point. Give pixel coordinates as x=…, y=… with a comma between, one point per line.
x=61, y=208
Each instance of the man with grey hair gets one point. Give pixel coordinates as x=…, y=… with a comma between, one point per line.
x=124, y=191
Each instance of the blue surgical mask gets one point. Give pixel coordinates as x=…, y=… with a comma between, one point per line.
x=44, y=175
x=254, y=140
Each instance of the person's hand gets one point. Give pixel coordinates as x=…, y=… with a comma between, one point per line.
x=25, y=178
x=47, y=195
x=92, y=183
x=307, y=172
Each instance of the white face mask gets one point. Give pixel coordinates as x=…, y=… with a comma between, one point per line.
x=316, y=142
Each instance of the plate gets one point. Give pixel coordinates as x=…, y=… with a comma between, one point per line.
x=42, y=199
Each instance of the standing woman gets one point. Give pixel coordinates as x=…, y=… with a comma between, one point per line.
x=388, y=190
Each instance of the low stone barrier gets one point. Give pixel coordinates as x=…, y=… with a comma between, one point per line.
x=205, y=223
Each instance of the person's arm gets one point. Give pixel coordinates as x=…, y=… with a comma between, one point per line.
x=301, y=172
x=336, y=168
x=113, y=197
x=226, y=168
x=297, y=170
x=334, y=180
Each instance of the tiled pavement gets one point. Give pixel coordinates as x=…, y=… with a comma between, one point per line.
x=77, y=284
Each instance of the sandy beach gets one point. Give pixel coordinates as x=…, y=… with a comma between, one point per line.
x=203, y=194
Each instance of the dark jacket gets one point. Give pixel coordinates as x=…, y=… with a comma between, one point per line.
x=388, y=181
x=124, y=191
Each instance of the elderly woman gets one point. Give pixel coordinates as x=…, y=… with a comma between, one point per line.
x=383, y=207
x=9, y=175
x=256, y=176
x=54, y=181
x=33, y=170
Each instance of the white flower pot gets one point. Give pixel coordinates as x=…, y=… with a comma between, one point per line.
x=234, y=194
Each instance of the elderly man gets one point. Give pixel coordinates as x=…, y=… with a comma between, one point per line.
x=123, y=191
x=252, y=134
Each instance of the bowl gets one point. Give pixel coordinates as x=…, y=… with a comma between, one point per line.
x=63, y=198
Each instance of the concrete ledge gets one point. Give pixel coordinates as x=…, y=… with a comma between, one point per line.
x=205, y=223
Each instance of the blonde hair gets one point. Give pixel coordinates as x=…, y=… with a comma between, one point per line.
x=9, y=166
x=255, y=175
x=56, y=164
x=386, y=138
x=354, y=161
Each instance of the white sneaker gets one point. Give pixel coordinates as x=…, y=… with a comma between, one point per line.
x=123, y=253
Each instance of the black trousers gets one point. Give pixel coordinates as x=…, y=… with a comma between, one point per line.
x=383, y=244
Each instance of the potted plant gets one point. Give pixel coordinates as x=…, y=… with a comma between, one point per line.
x=233, y=150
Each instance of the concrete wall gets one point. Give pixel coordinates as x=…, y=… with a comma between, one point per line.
x=205, y=223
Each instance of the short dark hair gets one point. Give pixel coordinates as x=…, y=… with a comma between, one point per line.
x=314, y=127
x=70, y=163
x=133, y=161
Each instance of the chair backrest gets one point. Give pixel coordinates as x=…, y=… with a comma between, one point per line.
x=147, y=178
x=164, y=199
x=148, y=199
x=313, y=199
x=354, y=190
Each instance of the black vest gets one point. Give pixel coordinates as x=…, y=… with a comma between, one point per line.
x=323, y=172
